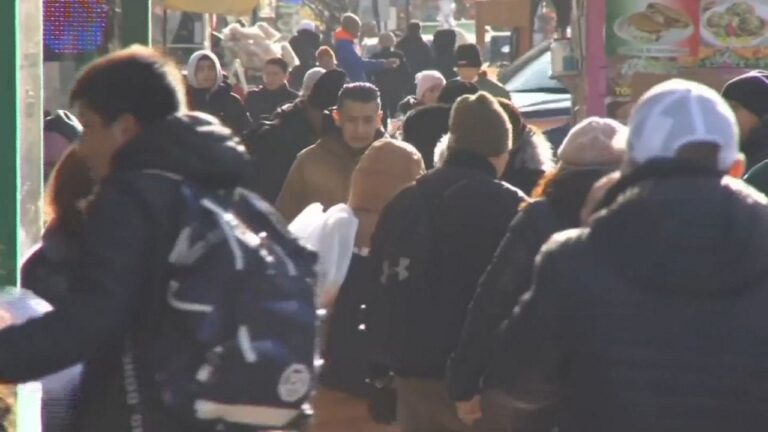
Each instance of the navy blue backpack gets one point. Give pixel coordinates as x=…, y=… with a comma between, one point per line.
x=242, y=290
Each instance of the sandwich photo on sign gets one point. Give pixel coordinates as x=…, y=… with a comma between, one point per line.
x=657, y=24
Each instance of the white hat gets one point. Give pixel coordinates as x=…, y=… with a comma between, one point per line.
x=306, y=25
x=679, y=112
x=427, y=79
x=594, y=143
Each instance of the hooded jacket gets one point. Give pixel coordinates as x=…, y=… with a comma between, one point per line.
x=119, y=288
x=384, y=170
x=392, y=83
x=220, y=101
x=348, y=58
x=653, y=319
x=321, y=173
x=531, y=157
x=417, y=52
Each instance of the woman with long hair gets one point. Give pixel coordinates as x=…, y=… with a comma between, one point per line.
x=589, y=152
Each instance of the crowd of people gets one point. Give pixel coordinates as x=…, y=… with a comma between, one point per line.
x=615, y=283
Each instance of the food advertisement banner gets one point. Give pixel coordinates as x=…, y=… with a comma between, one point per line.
x=705, y=33
x=663, y=28
x=734, y=34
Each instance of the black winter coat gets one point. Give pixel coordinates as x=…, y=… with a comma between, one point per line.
x=395, y=83
x=444, y=49
x=423, y=128
x=118, y=292
x=471, y=214
x=48, y=270
x=507, y=278
x=274, y=148
x=417, y=52
x=222, y=104
x=262, y=103
x=653, y=319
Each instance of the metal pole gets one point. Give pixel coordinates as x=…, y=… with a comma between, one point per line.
x=135, y=22
x=9, y=141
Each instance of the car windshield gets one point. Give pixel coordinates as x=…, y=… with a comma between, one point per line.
x=535, y=77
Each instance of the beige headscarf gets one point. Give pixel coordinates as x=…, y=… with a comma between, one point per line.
x=386, y=168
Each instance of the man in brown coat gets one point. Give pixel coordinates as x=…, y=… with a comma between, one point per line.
x=322, y=172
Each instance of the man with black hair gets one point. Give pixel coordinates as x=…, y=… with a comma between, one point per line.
x=322, y=172
x=130, y=131
x=264, y=101
x=294, y=127
x=651, y=318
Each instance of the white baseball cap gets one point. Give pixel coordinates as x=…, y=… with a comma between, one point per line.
x=679, y=112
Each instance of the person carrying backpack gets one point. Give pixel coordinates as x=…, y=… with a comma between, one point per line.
x=173, y=301
x=430, y=247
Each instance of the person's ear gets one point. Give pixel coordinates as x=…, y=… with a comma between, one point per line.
x=336, y=117
x=125, y=128
x=739, y=167
x=380, y=119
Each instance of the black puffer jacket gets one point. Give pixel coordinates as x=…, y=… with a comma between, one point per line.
x=654, y=319
x=755, y=144
x=444, y=49
x=274, y=147
x=471, y=213
x=119, y=289
x=222, y=104
x=417, y=52
x=262, y=103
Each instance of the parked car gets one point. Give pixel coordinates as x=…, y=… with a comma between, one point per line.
x=544, y=102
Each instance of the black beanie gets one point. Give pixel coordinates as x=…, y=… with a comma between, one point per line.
x=325, y=92
x=750, y=91
x=456, y=89
x=64, y=124
x=468, y=55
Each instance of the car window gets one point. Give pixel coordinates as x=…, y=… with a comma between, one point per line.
x=535, y=77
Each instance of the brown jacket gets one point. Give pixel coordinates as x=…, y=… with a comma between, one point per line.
x=384, y=170
x=321, y=173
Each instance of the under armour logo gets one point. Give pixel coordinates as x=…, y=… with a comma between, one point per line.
x=401, y=270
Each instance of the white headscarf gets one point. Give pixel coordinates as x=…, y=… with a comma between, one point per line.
x=192, y=66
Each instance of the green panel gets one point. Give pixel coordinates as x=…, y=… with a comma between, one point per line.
x=135, y=22
x=9, y=142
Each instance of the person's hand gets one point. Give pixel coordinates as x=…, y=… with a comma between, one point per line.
x=393, y=63
x=469, y=411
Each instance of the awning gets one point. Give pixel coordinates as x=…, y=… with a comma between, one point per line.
x=224, y=7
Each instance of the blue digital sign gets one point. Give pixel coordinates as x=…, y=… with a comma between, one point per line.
x=74, y=26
